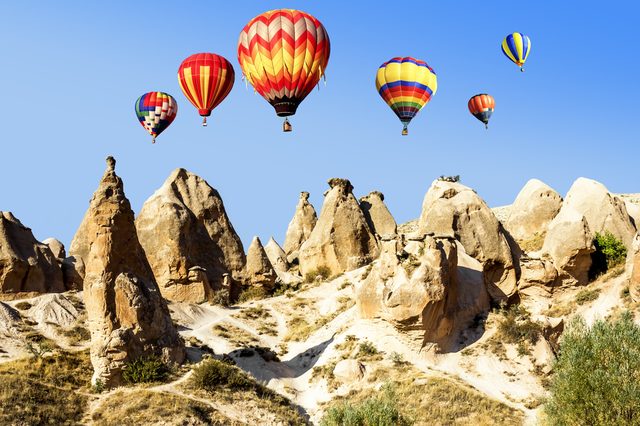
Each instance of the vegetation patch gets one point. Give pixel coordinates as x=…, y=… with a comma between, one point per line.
x=534, y=243
x=145, y=369
x=144, y=407
x=585, y=296
x=77, y=334
x=516, y=326
x=45, y=390
x=300, y=327
x=322, y=272
x=597, y=374
x=253, y=293
x=610, y=252
x=234, y=334
x=23, y=306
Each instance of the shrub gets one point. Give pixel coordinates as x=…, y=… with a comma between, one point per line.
x=378, y=411
x=397, y=358
x=145, y=369
x=597, y=374
x=585, y=296
x=220, y=297
x=212, y=375
x=367, y=348
x=517, y=327
x=610, y=252
x=253, y=293
x=23, y=306
x=322, y=271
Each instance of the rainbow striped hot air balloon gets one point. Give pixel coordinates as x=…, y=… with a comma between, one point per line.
x=156, y=111
x=283, y=54
x=406, y=84
x=206, y=79
x=516, y=47
x=482, y=106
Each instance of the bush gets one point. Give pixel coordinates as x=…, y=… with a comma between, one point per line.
x=378, y=411
x=517, y=327
x=367, y=348
x=585, y=296
x=322, y=271
x=145, y=369
x=253, y=293
x=23, y=306
x=221, y=297
x=610, y=252
x=597, y=375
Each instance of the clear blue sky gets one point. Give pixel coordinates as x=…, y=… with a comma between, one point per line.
x=71, y=72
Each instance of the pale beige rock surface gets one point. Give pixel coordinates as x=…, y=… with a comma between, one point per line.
x=533, y=209
x=569, y=244
x=277, y=256
x=602, y=210
x=299, y=229
x=454, y=210
x=377, y=214
x=259, y=271
x=538, y=278
x=182, y=226
x=56, y=247
x=26, y=265
x=127, y=316
x=634, y=281
x=349, y=371
x=341, y=240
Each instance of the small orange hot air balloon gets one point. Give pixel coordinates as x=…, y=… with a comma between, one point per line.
x=206, y=79
x=482, y=106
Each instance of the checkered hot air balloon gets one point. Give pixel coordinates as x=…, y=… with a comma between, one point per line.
x=156, y=111
x=283, y=54
x=516, y=47
x=206, y=79
x=482, y=106
x=406, y=84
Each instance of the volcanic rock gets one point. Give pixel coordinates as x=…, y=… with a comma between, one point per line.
x=299, y=229
x=377, y=214
x=277, y=256
x=259, y=270
x=534, y=208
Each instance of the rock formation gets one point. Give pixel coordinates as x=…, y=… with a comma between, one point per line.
x=73, y=272
x=534, y=208
x=127, y=315
x=634, y=211
x=341, y=240
x=9, y=322
x=56, y=247
x=634, y=281
x=299, y=229
x=603, y=211
x=259, y=271
x=277, y=256
x=454, y=210
x=538, y=278
x=26, y=265
x=349, y=371
x=569, y=243
x=377, y=214
x=182, y=226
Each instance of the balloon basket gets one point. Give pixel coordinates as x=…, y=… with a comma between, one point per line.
x=405, y=131
x=204, y=121
x=286, y=126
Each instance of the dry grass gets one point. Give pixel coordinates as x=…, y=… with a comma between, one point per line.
x=144, y=407
x=234, y=334
x=44, y=390
x=258, y=315
x=300, y=326
x=432, y=400
x=534, y=243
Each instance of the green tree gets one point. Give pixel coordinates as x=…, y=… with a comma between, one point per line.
x=597, y=375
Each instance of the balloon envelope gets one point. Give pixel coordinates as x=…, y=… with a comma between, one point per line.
x=206, y=79
x=482, y=106
x=406, y=84
x=156, y=111
x=283, y=54
x=516, y=47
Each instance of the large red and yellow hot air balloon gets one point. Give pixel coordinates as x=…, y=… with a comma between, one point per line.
x=406, y=84
x=283, y=54
x=206, y=79
x=481, y=107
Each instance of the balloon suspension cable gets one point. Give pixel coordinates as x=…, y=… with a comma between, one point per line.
x=286, y=126
x=204, y=121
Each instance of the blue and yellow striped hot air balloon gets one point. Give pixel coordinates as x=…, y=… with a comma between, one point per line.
x=516, y=47
x=406, y=84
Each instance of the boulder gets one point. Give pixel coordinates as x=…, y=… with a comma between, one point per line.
x=54, y=309
x=377, y=214
x=73, y=272
x=56, y=247
x=414, y=293
x=634, y=211
x=349, y=371
x=184, y=225
x=454, y=210
x=569, y=244
x=534, y=208
x=277, y=256
x=259, y=271
x=299, y=229
x=127, y=316
x=602, y=210
x=341, y=240
x=538, y=278
x=26, y=265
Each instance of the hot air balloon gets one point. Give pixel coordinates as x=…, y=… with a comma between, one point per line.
x=516, y=47
x=406, y=84
x=482, y=106
x=206, y=79
x=156, y=111
x=283, y=54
